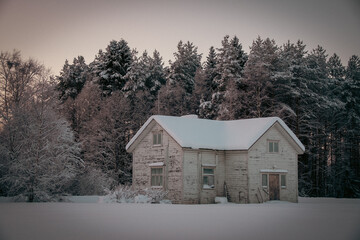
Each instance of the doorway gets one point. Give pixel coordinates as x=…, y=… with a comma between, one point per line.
x=274, y=189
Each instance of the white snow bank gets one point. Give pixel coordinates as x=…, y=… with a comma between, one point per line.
x=221, y=200
x=83, y=199
x=6, y=199
x=142, y=199
x=310, y=219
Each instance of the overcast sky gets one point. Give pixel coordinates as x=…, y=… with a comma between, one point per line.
x=52, y=31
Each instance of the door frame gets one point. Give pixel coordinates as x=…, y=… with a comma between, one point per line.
x=274, y=186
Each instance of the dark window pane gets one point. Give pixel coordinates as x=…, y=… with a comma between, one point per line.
x=264, y=180
x=159, y=139
x=208, y=171
x=208, y=182
x=271, y=149
x=283, y=180
x=154, y=139
x=276, y=147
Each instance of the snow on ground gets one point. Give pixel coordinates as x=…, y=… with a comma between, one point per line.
x=321, y=218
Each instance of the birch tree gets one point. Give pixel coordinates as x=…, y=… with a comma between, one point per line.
x=41, y=155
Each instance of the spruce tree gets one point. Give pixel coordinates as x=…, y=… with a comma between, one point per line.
x=146, y=74
x=229, y=68
x=335, y=68
x=183, y=69
x=157, y=76
x=111, y=66
x=351, y=98
x=206, y=86
x=72, y=78
x=210, y=70
x=258, y=78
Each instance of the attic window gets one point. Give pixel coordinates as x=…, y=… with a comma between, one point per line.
x=273, y=146
x=157, y=138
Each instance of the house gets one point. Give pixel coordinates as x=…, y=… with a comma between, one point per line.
x=195, y=160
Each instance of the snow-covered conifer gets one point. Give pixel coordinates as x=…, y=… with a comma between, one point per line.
x=111, y=66
x=183, y=69
x=229, y=68
x=72, y=78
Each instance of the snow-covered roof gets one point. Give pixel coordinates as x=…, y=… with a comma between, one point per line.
x=191, y=132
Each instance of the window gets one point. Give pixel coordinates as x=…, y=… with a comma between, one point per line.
x=208, y=178
x=157, y=177
x=273, y=146
x=283, y=181
x=264, y=180
x=157, y=138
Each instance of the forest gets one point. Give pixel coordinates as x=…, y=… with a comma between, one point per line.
x=65, y=134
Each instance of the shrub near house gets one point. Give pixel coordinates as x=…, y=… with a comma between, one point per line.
x=195, y=160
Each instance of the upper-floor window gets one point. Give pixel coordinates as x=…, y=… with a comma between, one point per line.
x=273, y=146
x=157, y=138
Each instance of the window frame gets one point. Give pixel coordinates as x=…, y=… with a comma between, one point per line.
x=273, y=142
x=267, y=180
x=283, y=184
x=155, y=138
x=208, y=175
x=161, y=175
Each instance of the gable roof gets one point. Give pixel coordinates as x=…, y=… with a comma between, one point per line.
x=192, y=132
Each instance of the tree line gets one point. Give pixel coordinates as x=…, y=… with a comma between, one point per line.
x=67, y=134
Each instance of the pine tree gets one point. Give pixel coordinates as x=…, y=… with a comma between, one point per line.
x=205, y=85
x=157, y=72
x=135, y=77
x=147, y=73
x=291, y=86
x=351, y=96
x=173, y=100
x=259, y=72
x=353, y=68
x=176, y=97
x=183, y=69
x=230, y=64
x=210, y=70
x=111, y=66
x=335, y=68
x=72, y=78
x=105, y=135
x=229, y=68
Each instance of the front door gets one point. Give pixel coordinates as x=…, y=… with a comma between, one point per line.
x=274, y=187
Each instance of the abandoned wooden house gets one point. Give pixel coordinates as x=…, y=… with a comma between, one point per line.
x=196, y=160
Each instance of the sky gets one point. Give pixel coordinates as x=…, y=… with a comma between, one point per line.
x=52, y=31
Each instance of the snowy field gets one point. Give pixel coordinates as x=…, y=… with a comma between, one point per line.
x=309, y=219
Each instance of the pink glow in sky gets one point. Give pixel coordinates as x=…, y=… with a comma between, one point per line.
x=52, y=31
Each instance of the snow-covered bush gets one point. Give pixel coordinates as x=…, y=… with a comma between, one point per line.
x=123, y=194
x=221, y=200
x=156, y=195
x=126, y=194
x=142, y=199
x=91, y=181
x=165, y=201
